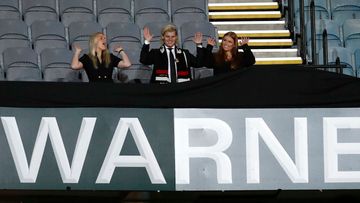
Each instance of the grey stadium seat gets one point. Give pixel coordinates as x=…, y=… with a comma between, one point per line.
x=39, y=10
x=351, y=29
x=344, y=55
x=48, y=34
x=127, y=35
x=183, y=11
x=113, y=11
x=13, y=33
x=146, y=11
x=9, y=9
x=76, y=10
x=20, y=64
x=322, y=11
x=137, y=73
x=343, y=10
x=80, y=32
x=189, y=29
x=56, y=66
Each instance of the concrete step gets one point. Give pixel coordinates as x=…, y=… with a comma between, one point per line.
x=269, y=42
x=236, y=15
x=250, y=25
x=257, y=33
x=238, y=1
x=278, y=60
x=243, y=6
x=266, y=53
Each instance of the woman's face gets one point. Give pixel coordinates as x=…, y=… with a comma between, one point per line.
x=100, y=42
x=227, y=43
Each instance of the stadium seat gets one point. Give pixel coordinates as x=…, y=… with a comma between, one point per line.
x=39, y=10
x=351, y=29
x=155, y=29
x=188, y=10
x=80, y=32
x=9, y=9
x=21, y=64
x=127, y=35
x=333, y=31
x=13, y=33
x=357, y=62
x=345, y=56
x=113, y=11
x=189, y=29
x=56, y=65
x=137, y=73
x=322, y=11
x=76, y=10
x=48, y=34
x=146, y=11
x=343, y=10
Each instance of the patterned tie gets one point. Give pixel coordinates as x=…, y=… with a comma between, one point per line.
x=172, y=67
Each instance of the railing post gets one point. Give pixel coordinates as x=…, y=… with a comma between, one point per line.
x=313, y=33
x=325, y=47
x=302, y=31
x=291, y=15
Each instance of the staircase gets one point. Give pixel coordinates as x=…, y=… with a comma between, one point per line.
x=262, y=21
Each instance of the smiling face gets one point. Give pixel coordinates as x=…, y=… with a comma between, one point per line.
x=228, y=43
x=170, y=38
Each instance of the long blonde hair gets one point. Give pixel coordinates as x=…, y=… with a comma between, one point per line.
x=105, y=55
x=220, y=55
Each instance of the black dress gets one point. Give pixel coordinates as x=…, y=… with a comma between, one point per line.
x=242, y=59
x=101, y=73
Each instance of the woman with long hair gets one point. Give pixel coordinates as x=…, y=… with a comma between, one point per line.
x=99, y=63
x=228, y=58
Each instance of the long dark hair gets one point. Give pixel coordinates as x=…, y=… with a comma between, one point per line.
x=220, y=57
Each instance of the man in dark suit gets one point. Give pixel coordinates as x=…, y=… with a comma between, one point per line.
x=171, y=63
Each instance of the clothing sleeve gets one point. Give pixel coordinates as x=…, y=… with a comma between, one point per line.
x=114, y=60
x=146, y=56
x=206, y=56
x=249, y=58
x=83, y=59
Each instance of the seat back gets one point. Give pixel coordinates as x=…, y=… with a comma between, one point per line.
x=146, y=11
x=76, y=10
x=113, y=11
x=39, y=10
x=127, y=35
x=48, y=34
x=80, y=32
x=10, y=9
x=21, y=64
x=188, y=10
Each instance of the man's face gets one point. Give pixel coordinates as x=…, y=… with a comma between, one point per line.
x=170, y=38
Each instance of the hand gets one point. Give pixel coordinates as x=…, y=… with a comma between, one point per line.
x=244, y=40
x=117, y=49
x=211, y=41
x=147, y=35
x=198, y=38
x=77, y=48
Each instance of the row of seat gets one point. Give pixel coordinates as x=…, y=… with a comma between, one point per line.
x=53, y=64
x=52, y=34
x=337, y=10
x=105, y=11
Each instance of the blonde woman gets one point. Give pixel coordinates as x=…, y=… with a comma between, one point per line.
x=99, y=63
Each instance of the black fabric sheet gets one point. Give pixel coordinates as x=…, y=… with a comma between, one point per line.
x=255, y=87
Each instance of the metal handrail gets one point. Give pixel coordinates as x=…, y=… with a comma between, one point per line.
x=313, y=33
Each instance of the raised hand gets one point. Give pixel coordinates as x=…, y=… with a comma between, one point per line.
x=244, y=40
x=211, y=41
x=77, y=48
x=118, y=49
x=147, y=35
x=198, y=38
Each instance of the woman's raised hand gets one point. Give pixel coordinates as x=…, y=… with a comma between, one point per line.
x=198, y=38
x=244, y=40
x=77, y=48
x=211, y=41
x=147, y=35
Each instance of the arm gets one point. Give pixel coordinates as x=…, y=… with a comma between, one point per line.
x=75, y=63
x=145, y=56
x=125, y=62
x=249, y=58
